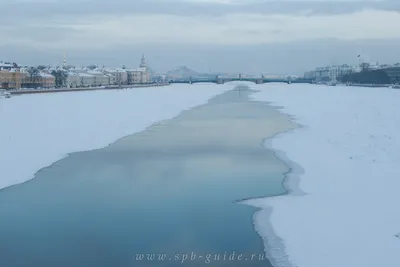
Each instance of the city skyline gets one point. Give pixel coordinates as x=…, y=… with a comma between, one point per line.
x=246, y=62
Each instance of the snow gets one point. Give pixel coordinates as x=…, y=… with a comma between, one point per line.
x=37, y=130
x=6, y=65
x=95, y=72
x=14, y=70
x=345, y=156
x=140, y=69
x=85, y=75
x=133, y=70
x=119, y=70
x=43, y=74
x=342, y=209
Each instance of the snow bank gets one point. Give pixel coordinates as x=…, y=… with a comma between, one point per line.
x=349, y=152
x=37, y=130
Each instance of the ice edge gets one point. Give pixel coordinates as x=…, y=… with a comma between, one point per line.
x=273, y=244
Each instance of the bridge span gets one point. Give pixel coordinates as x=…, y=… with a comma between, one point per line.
x=222, y=80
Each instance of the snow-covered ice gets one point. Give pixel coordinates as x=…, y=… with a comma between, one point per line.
x=37, y=130
x=346, y=157
x=349, y=151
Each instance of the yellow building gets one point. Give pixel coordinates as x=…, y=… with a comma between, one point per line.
x=43, y=80
x=11, y=79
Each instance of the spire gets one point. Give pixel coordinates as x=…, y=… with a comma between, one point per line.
x=143, y=62
x=65, y=60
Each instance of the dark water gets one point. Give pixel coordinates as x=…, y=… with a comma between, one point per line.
x=170, y=189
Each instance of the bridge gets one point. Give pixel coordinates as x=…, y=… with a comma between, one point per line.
x=222, y=80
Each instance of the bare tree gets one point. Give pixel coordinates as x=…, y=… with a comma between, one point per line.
x=34, y=74
x=60, y=77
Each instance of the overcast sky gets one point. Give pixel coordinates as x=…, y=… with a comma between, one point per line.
x=275, y=36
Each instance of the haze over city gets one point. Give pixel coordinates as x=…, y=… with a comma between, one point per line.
x=233, y=36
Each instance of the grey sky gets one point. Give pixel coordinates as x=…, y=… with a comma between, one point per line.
x=222, y=35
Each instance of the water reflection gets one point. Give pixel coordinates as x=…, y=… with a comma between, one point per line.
x=170, y=189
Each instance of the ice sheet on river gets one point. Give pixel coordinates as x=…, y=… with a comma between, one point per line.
x=349, y=153
x=37, y=130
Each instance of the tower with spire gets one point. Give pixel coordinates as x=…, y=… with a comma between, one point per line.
x=143, y=62
x=65, y=60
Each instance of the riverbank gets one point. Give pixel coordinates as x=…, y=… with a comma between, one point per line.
x=57, y=90
x=392, y=86
x=369, y=85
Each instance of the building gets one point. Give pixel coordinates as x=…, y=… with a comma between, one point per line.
x=87, y=80
x=328, y=73
x=138, y=76
x=120, y=76
x=394, y=74
x=374, y=76
x=123, y=76
x=100, y=79
x=47, y=80
x=73, y=80
x=130, y=76
x=111, y=79
x=86, y=77
x=11, y=78
x=41, y=80
x=7, y=65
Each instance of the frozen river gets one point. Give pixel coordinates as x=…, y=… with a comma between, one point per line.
x=168, y=190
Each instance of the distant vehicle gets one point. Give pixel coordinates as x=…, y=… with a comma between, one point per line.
x=395, y=86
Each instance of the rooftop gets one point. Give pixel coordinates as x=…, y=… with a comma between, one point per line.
x=137, y=69
x=42, y=74
x=95, y=72
x=6, y=65
x=85, y=75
